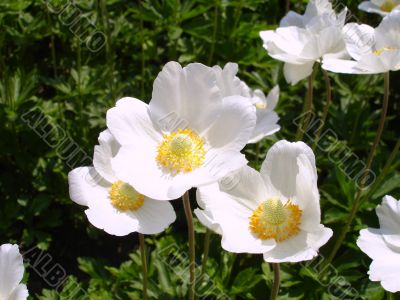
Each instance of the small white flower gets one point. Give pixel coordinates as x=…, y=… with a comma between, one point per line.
x=267, y=118
x=302, y=40
x=114, y=205
x=275, y=212
x=11, y=274
x=188, y=135
x=381, y=7
x=373, y=50
x=383, y=245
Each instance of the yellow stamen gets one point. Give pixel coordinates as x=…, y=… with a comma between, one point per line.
x=124, y=197
x=381, y=50
x=261, y=105
x=273, y=220
x=388, y=6
x=181, y=151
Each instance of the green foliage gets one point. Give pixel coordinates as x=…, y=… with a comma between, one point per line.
x=55, y=91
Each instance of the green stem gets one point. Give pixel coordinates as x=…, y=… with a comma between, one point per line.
x=207, y=237
x=144, y=264
x=307, y=107
x=189, y=219
x=357, y=201
x=214, y=36
x=277, y=279
x=325, y=111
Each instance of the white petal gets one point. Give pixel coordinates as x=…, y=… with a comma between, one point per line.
x=387, y=33
x=292, y=19
x=187, y=97
x=371, y=243
x=246, y=183
x=389, y=219
x=317, y=8
x=86, y=185
x=303, y=246
x=217, y=165
x=138, y=167
x=307, y=195
x=232, y=217
x=386, y=270
x=371, y=8
x=130, y=123
x=103, y=154
x=154, y=216
x=205, y=218
x=294, y=73
x=344, y=66
x=266, y=125
x=227, y=81
x=359, y=39
x=280, y=167
x=20, y=293
x=11, y=269
x=234, y=126
x=104, y=216
x=273, y=97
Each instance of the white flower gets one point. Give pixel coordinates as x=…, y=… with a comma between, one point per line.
x=381, y=7
x=275, y=212
x=11, y=274
x=383, y=245
x=373, y=50
x=188, y=135
x=302, y=40
x=267, y=119
x=114, y=205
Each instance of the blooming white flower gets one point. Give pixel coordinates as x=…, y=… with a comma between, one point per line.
x=267, y=118
x=11, y=274
x=187, y=136
x=383, y=245
x=275, y=212
x=302, y=40
x=114, y=205
x=381, y=7
x=373, y=50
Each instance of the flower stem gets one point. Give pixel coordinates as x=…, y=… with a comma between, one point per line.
x=277, y=279
x=326, y=108
x=189, y=218
x=144, y=264
x=357, y=200
x=307, y=108
x=206, y=250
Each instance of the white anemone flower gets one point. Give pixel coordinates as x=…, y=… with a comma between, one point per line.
x=114, y=205
x=373, y=50
x=275, y=211
x=188, y=135
x=382, y=245
x=302, y=40
x=267, y=119
x=11, y=274
x=381, y=7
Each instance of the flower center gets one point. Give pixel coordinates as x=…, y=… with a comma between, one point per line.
x=181, y=151
x=273, y=220
x=381, y=50
x=124, y=197
x=388, y=6
x=261, y=105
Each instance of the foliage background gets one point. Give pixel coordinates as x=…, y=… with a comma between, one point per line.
x=44, y=67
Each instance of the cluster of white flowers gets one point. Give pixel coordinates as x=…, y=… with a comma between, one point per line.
x=192, y=131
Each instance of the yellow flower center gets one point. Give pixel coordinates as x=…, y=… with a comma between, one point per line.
x=124, y=197
x=381, y=50
x=181, y=151
x=273, y=220
x=388, y=6
x=261, y=105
